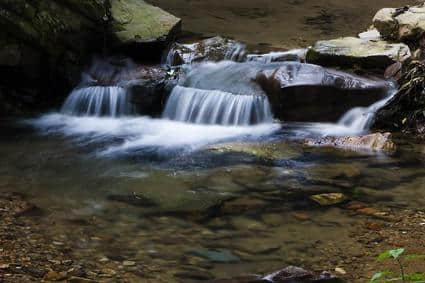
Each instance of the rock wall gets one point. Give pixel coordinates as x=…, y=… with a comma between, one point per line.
x=46, y=43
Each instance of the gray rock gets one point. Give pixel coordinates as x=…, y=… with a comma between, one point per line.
x=402, y=24
x=352, y=51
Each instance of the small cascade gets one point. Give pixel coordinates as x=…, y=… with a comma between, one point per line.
x=98, y=101
x=236, y=53
x=359, y=119
x=103, y=90
x=216, y=107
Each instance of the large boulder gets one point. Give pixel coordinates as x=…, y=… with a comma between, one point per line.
x=136, y=25
x=352, y=51
x=401, y=24
x=306, y=92
x=46, y=43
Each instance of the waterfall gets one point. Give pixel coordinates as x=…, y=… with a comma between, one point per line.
x=359, y=119
x=98, y=101
x=103, y=90
x=216, y=107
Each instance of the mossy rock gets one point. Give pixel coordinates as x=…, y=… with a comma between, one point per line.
x=135, y=21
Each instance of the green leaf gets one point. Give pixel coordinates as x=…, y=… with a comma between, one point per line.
x=385, y=255
x=396, y=253
x=416, y=277
x=376, y=276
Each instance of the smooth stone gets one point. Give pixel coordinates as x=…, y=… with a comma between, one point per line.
x=128, y=263
x=55, y=276
x=351, y=51
x=329, y=199
x=219, y=255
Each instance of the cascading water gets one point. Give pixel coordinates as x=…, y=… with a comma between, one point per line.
x=98, y=101
x=216, y=107
x=356, y=121
x=103, y=90
x=359, y=119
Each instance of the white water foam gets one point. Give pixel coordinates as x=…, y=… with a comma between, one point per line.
x=136, y=133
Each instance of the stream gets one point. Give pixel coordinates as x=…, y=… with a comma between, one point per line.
x=217, y=185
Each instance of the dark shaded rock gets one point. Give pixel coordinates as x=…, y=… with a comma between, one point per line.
x=46, y=44
x=305, y=92
x=33, y=271
x=406, y=110
x=148, y=86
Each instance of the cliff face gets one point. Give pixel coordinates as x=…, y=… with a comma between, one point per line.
x=44, y=44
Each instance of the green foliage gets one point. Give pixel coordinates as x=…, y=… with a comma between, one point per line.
x=388, y=276
x=390, y=253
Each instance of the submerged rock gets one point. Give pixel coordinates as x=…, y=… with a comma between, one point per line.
x=372, y=142
x=401, y=24
x=351, y=51
x=268, y=151
x=212, y=49
x=329, y=199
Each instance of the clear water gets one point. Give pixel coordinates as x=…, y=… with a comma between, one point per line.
x=202, y=195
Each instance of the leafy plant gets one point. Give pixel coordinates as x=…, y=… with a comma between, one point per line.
x=388, y=276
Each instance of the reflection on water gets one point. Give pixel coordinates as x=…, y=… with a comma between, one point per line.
x=209, y=208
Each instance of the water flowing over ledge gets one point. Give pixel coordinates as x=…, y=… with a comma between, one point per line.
x=98, y=101
x=217, y=107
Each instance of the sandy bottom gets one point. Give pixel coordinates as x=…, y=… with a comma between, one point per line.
x=276, y=23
